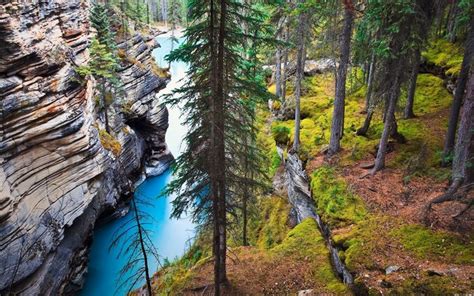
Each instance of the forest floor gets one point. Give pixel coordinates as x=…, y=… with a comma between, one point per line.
x=378, y=222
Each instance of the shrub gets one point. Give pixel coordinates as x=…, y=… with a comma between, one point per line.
x=109, y=142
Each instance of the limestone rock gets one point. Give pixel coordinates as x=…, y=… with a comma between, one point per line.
x=56, y=178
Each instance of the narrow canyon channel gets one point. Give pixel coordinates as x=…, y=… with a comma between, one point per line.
x=171, y=236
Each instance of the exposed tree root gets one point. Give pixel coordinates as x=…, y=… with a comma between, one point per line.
x=456, y=191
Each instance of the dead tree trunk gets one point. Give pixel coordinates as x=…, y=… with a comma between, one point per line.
x=337, y=126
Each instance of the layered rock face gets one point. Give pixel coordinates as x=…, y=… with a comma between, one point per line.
x=56, y=178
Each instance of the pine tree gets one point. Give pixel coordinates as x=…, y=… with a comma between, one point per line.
x=102, y=66
x=216, y=104
x=460, y=83
x=100, y=21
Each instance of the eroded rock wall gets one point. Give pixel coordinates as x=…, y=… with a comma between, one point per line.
x=56, y=178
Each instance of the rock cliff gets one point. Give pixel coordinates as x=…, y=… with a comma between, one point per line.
x=58, y=172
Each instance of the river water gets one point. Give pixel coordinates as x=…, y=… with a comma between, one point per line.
x=171, y=237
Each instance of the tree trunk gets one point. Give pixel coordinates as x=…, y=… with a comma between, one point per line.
x=147, y=13
x=300, y=60
x=462, y=157
x=370, y=82
x=337, y=126
x=389, y=121
x=452, y=21
x=285, y=60
x=244, y=217
x=220, y=159
x=142, y=247
x=368, y=118
x=408, y=112
x=459, y=93
x=104, y=105
x=278, y=72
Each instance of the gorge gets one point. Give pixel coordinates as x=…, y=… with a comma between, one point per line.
x=307, y=147
x=57, y=178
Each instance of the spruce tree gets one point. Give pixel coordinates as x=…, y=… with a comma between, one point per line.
x=102, y=66
x=217, y=105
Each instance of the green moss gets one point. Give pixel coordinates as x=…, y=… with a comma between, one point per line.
x=271, y=225
x=266, y=143
x=281, y=134
x=173, y=276
x=337, y=205
x=446, y=55
x=429, y=244
x=109, y=142
x=306, y=243
x=430, y=96
x=436, y=286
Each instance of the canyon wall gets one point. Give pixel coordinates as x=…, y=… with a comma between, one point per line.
x=56, y=177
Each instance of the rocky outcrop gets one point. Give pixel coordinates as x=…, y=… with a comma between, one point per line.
x=56, y=177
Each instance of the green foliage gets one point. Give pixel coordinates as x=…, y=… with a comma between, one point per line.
x=435, y=245
x=109, y=142
x=337, y=205
x=99, y=20
x=445, y=55
x=102, y=63
x=281, y=134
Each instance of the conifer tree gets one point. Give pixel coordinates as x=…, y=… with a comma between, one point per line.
x=337, y=126
x=100, y=21
x=102, y=66
x=103, y=59
x=216, y=104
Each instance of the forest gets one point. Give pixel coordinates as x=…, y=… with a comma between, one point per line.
x=237, y=147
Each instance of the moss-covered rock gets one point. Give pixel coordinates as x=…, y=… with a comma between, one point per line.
x=281, y=134
x=109, y=142
x=306, y=243
x=446, y=55
x=270, y=226
x=336, y=204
